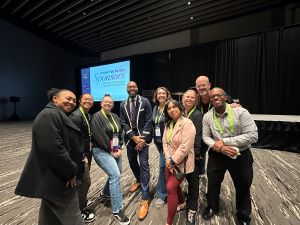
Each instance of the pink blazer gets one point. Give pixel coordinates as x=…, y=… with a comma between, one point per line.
x=181, y=144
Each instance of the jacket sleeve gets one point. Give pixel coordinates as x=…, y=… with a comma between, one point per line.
x=165, y=145
x=147, y=131
x=124, y=124
x=187, y=133
x=48, y=132
x=120, y=132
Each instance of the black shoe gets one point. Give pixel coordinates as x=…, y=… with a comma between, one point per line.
x=208, y=213
x=190, y=219
x=121, y=218
x=88, y=216
x=242, y=222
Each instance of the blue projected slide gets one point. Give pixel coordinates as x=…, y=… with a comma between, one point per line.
x=106, y=79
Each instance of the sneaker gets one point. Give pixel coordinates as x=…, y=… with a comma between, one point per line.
x=121, y=218
x=88, y=203
x=190, y=219
x=159, y=203
x=87, y=216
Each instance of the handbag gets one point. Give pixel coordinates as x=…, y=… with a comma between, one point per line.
x=177, y=171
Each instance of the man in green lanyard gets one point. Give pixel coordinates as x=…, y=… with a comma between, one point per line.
x=229, y=133
x=82, y=119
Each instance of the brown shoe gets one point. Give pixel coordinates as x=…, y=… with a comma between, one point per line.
x=143, y=211
x=134, y=187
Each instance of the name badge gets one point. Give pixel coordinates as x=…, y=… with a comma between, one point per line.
x=157, y=133
x=115, y=143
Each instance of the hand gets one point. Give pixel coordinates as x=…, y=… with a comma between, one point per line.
x=72, y=182
x=86, y=164
x=228, y=151
x=117, y=154
x=235, y=105
x=218, y=145
x=137, y=139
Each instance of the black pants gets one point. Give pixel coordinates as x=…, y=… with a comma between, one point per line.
x=241, y=172
x=193, y=188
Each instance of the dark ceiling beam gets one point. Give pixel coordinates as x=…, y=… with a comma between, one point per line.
x=59, y=12
x=5, y=3
x=33, y=8
x=160, y=18
x=73, y=13
x=139, y=9
x=177, y=27
x=20, y=6
x=51, y=7
x=142, y=18
x=63, y=28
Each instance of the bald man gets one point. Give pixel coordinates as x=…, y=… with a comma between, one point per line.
x=229, y=133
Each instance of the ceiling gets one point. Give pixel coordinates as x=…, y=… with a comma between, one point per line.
x=89, y=27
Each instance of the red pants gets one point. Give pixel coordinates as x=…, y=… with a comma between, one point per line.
x=174, y=195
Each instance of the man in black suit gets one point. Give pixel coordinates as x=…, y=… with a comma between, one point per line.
x=135, y=115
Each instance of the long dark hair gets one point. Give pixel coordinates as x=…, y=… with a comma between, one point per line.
x=177, y=104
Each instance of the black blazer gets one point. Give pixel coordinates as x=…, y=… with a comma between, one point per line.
x=144, y=122
x=55, y=152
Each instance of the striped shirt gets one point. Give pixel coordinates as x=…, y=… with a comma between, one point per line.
x=245, y=130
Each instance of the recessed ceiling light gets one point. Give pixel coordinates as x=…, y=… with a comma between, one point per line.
x=84, y=13
x=189, y=3
x=191, y=17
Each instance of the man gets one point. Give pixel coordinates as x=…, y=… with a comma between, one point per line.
x=189, y=100
x=82, y=119
x=229, y=133
x=203, y=88
x=135, y=116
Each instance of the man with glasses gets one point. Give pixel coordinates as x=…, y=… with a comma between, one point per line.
x=136, y=120
x=229, y=133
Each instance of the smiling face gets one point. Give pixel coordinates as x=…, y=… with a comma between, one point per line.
x=132, y=89
x=203, y=85
x=86, y=102
x=189, y=99
x=161, y=96
x=107, y=103
x=218, y=98
x=66, y=100
x=173, y=111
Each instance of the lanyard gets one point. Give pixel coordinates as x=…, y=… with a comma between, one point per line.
x=230, y=119
x=158, y=116
x=170, y=132
x=202, y=107
x=86, y=120
x=190, y=113
x=112, y=127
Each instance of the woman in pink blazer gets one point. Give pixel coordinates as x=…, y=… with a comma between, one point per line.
x=178, y=145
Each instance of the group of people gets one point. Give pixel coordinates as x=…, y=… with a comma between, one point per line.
x=64, y=142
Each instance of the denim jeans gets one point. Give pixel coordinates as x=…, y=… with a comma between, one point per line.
x=112, y=167
x=161, y=189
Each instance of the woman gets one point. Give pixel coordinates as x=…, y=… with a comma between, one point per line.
x=161, y=96
x=192, y=112
x=178, y=145
x=54, y=162
x=107, y=136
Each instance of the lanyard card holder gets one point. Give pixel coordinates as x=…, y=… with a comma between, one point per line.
x=114, y=143
x=157, y=134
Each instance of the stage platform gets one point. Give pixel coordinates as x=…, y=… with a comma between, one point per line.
x=281, y=132
x=275, y=189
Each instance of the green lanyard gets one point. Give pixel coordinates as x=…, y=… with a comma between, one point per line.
x=157, y=118
x=202, y=107
x=230, y=119
x=170, y=131
x=86, y=120
x=190, y=113
x=112, y=127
